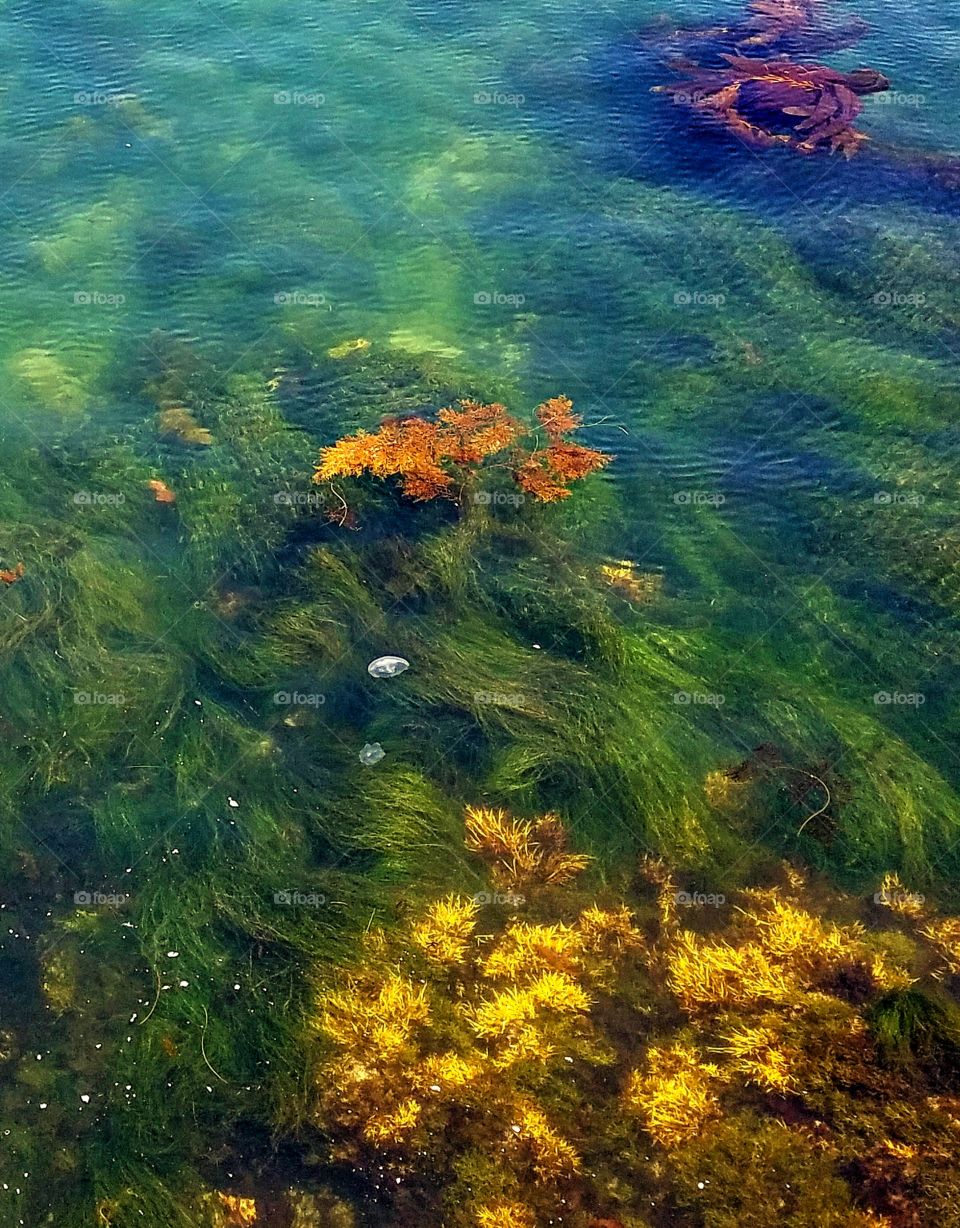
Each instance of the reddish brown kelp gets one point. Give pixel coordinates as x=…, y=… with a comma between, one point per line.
x=781, y=26
x=767, y=103
x=770, y=21
x=444, y=457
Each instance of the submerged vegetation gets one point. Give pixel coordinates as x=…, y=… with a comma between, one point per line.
x=511, y=1059
x=752, y=80
x=776, y=101
x=256, y=955
x=771, y=103
x=633, y=901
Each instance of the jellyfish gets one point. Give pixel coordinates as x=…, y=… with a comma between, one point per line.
x=387, y=667
x=372, y=753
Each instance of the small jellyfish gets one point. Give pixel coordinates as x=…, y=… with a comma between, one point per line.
x=387, y=667
x=372, y=753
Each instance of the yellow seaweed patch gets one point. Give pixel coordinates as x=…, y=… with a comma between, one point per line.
x=638, y=587
x=240, y=1212
x=672, y=1093
x=49, y=380
x=178, y=423
x=506, y=1064
x=93, y=235
x=505, y=1215
x=446, y=931
x=419, y=343
x=345, y=348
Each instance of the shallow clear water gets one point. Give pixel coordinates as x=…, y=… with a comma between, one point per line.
x=500, y=187
x=768, y=344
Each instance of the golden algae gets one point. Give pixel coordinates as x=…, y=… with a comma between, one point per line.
x=343, y=349
x=97, y=233
x=476, y=1076
x=49, y=381
x=176, y=422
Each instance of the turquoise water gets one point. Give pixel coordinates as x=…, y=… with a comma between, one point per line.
x=199, y=200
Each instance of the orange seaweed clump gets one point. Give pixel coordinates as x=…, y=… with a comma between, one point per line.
x=10, y=575
x=444, y=457
x=547, y=472
x=161, y=491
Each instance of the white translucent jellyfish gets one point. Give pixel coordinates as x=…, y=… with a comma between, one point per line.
x=387, y=667
x=372, y=753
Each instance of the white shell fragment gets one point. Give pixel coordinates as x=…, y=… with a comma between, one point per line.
x=372, y=753
x=387, y=667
